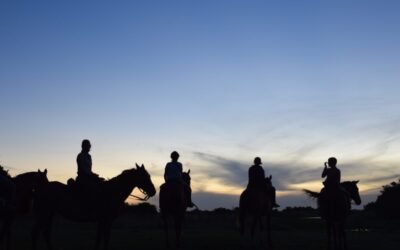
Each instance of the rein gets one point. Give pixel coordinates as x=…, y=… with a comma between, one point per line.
x=140, y=198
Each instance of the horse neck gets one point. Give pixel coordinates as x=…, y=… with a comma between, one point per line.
x=25, y=181
x=121, y=186
x=186, y=179
x=348, y=186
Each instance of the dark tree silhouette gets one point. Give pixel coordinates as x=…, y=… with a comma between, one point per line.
x=143, y=208
x=387, y=204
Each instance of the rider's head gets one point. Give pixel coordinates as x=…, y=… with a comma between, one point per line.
x=174, y=156
x=257, y=161
x=332, y=162
x=86, y=145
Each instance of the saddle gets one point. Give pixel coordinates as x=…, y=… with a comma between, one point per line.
x=84, y=189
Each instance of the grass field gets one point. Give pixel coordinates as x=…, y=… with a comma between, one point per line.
x=211, y=231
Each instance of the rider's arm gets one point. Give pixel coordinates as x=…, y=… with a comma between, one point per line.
x=325, y=172
x=166, y=171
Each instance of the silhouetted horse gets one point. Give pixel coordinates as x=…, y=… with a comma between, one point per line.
x=25, y=185
x=256, y=204
x=334, y=209
x=100, y=207
x=173, y=203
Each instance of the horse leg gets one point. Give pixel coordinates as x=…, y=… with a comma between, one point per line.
x=8, y=234
x=178, y=219
x=2, y=236
x=99, y=235
x=343, y=236
x=345, y=246
x=5, y=235
x=253, y=226
x=329, y=234
x=47, y=232
x=337, y=241
x=241, y=222
x=106, y=234
x=268, y=228
x=35, y=233
x=165, y=225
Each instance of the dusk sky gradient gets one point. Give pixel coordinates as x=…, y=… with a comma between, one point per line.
x=294, y=82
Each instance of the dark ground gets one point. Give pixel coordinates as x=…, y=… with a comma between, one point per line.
x=215, y=231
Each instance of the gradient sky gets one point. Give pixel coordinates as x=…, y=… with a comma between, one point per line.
x=293, y=82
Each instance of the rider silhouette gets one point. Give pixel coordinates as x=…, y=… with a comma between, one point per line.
x=257, y=181
x=84, y=161
x=332, y=174
x=332, y=192
x=173, y=175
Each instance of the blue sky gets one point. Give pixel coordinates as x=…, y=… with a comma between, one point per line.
x=220, y=81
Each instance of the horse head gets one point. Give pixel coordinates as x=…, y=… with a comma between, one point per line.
x=186, y=177
x=31, y=180
x=144, y=182
x=352, y=189
x=40, y=178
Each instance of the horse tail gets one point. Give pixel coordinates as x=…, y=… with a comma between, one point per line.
x=311, y=194
x=195, y=206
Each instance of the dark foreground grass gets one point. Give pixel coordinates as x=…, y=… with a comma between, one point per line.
x=208, y=232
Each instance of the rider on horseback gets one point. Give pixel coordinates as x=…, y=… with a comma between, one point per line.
x=258, y=182
x=332, y=191
x=86, y=177
x=332, y=174
x=173, y=176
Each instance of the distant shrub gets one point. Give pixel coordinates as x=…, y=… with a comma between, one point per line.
x=144, y=208
x=222, y=210
x=370, y=207
x=299, y=212
x=299, y=209
x=387, y=204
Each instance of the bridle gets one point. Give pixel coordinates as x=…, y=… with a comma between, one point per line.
x=146, y=197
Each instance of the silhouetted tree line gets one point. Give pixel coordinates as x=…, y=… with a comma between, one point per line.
x=387, y=205
x=297, y=212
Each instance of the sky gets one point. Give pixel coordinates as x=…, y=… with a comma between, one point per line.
x=221, y=82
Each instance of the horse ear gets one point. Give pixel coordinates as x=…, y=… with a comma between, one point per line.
x=188, y=171
x=45, y=171
x=137, y=166
x=356, y=181
x=39, y=170
x=142, y=166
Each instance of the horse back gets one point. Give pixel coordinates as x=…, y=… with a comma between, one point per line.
x=255, y=201
x=172, y=197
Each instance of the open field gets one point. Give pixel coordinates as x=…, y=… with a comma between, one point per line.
x=213, y=231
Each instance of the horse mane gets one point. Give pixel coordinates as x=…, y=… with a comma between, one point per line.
x=4, y=172
x=120, y=176
x=27, y=174
x=119, y=185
